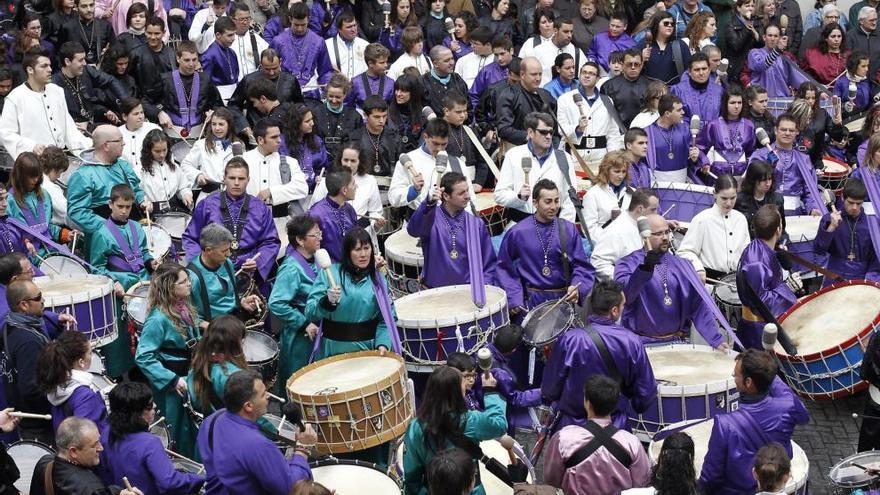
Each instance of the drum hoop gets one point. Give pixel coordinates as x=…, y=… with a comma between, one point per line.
x=695, y=390
x=157, y=219
x=404, y=258
x=263, y=338
x=798, y=451
x=59, y=255
x=342, y=396
x=80, y=296
x=683, y=186
x=133, y=290
x=849, y=460
x=32, y=443
x=568, y=325
x=465, y=317
x=333, y=461
x=860, y=336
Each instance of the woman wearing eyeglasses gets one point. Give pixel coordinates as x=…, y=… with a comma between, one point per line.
x=666, y=58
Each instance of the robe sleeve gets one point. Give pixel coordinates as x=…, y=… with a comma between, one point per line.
x=398, y=190
x=315, y=311
x=556, y=372
x=822, y=243
x=148, y=351
x=799, y=413
x=758, y=276
x=168, y=479
x=632, y=277
x=642, y=391
x=413, y=465
x=263, y=457
x=715, y=462
x=759, y=62
x=692, y=245
x=191, y=235
x=591, y=212
x=89, y=404
x=79, y=203
x=283, y=292
x=490, y=423
x=269, y=244
x=422, y=220
x=101, y=247
x=582, y=271
x=10, y=133
x=490, y=262
x=514, y=396
x=323, y=66
x=507, y=273
x=703, y=318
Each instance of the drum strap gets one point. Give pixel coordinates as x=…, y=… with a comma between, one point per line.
x=48, y=484
x=473, y=449
x=203, y=289
x=563, y=243
x=765, y=313
x=562, y=163
x=602, y=437
x=610, y=365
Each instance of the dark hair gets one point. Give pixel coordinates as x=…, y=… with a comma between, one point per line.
x=543, y=185
x=309, y=487
x=449, y=181
x=135, y=9
x=298, y=226
x=632, y=134
x=731, y=91
x=186, y=47
x=413, y=85
x=353, y=239
x=375, y=52
x=725, y=181
x=344, y=17
x=826, y=32
x=155, y=20
x=54, y=159
x=363, y=158
x=852, y=62
x=32, y=56
x=454, y=98
x=56, y=359
x=411, y=19
x=336, y=180
x=606, y=295
x=26, y=166
x=374, y=103
x=854, y=188
x=437, y=128
x=540, y=12
x=483, y=34
x=698, y=57
x=128, y=401
x=656, y=19
x=69, y=50
x=674, y=472
x=534, y=119
x=758, y=365
x=469, y=19
x=642, y=197
x=6, y=74
x=224, y=24
x=225, y=114
x=153, y=138
x=240, y=389
x=294, y=136
x=121, y=191
x=260, y=87
x=222, y=339
x=10, y=266
x=802, y=93
x=129, y=103
x=766, y=221
x=261, y=128
x=667, y=103
x=298, y=11
x=602, y=393
x=236, y=162
x=442, y=407
x=559, y=62
x=771, y=466
x=508, y=338
x=450, y=472
x=460, y=361
x=758, y=170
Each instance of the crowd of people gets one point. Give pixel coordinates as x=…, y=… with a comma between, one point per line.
x=293, y=138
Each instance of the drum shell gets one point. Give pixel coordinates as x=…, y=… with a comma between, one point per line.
x=801, y=230
x=491, y=212
x=405, y=261
x=728, y=300
x=833, y=174
x=266, y=365
x=136, y=308
x=26, y=454
x=689, y=199
x=847, y=487
x=93, y=308
x=369, y=478
x=158, y=241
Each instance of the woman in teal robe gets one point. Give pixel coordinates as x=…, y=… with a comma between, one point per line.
x=29, y=204
x=164, y=351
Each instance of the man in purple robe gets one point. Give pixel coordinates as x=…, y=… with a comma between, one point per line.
x=662, y=293
x=671, y=154
x=636, y=142
x=447, y=239
x=334, y=213
x=577, y=355
x=373, y=81
x=303, y=53
x=255, y=242
x=502, y=49
x=771, y=69
x=533, y=267
x=699, y=95
x=845, y=237
x=761, y=271
x=768, y=412
x=613, y=40
x=219, y=61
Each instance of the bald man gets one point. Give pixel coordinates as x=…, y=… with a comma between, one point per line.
x=662, y=293
x=515, y=102
x=88, y=193
x=442, y=80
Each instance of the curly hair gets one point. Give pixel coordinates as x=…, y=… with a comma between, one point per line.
x=161, y=295
x=153, y=138
x=695, y=31
x=674, y=472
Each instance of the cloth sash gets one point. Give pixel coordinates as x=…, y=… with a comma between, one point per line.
x=707, y=299
x=293, y=253
x=188, y=112
x=475, y=261
x=37, y=222
x=131, y=260
x=385, y=308
x=49, y=242
x=811, y=185
x=870, y=179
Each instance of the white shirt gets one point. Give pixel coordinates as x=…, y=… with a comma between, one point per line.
x=59, y=201
x=201, y=161
x=420, y=62
x=244, y=52
x=619, y=239
x=265, y=173
x=163, y=183
x=133, y=142
x=547, y=53
x=30, y=118
x=599, y=202
x=366, y=202
x=349, y=60
x=644, y=119
x=600, y=124
x=528, y=48
x=203, y=38
x=715, y=241
x=424, y=164
x=512, y=178
x=470, y=65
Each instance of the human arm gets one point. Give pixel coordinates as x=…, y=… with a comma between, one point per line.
x=507, y=273
x=163, y=473
x=148, y=353
x=286, y=286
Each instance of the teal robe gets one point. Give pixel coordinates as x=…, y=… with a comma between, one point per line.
x=287, y=302
x=477, y=425
x=222, y=299
x=358, y=304
x=160, y=334
x=90, y=186
x=103, y=245
x=220, y=373
x=13, y=210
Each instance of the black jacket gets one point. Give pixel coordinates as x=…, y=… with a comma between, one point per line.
x=147, y=66
x=335, y=129
x=389, y=150
x=740, y=40
x=94, y=36
x=287, y=89
x=85, y=89
x=435, y=92
x=627, y=95
x=748, y=206
x=512, y=106
x=209, y=97
x=22, y=347
x=69, y=479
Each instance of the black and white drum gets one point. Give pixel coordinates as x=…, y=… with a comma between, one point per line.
x=261, y=354
x=728, y=301
x=26, y=454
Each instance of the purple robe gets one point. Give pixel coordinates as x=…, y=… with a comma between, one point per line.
x=272, y=29
x=335, y=221
x=705, y=102
x=85, y=403
x=603, y=44
x=487, y=76
x=679, y=136
x=775, y=72
x=431, y=224
x=645, y=312
x=761, y=270
x=789, y=177
x=142, y=459
x=463, y=47
x=737, y=436
x=518, y=400
x=11, y=237
x=838, y=246
x=220, y=65
x=304, y=57
x=316, y=19
x=640, y=174
x=863, y=93
x=521, y=260
x=574, y=358
x=732, y=142
x=258, y=234
x=390, y=38
x=860, y=158
x=861, y=171
x=383, y=87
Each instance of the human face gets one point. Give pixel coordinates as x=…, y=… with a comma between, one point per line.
x=759, y=103
x=160, y=151
x=335, y=96
x=77, y=65
x=27, y=271
x=139, y=20
x=566, y=72
x=461, y=31
x=667, y=27
x=869, y=23
x=546, y=27
x=5, y=87
x=834, y=39
x=134, y=120
x=4, y=201
x=699, y=72
x=361, y=254
x=226, y=38
x=260, y=401
x=810, y=97
x=547, y=205
x=436, y=144
x=299, y=26
x=350, y=159
x=378, y=67
x=113, y=146
x=616, y=175
x=34, y=29
x=771, y=37
x=31, y=182
x=242, y=21
x=402, y=96
x=271, y=68
x=403, y=9
x=588, y=9
x=182, y=285
x=639, y=147
x=677, y=113
x=236, y=180
x=660, y=235
x=219, y=128
x=215, y=256
x=376, y=121
x=530, y=75
x=150, y=414
x=33, y=304
x=725, y=199
x=121, y=209
x=786, y=132
x=616, y=27
x=632, y=66
x=653, y=206
x=852, y=206
x=89, y=454
x=308, y=123
x=564, y=34
x=831, y=18
x=763, y=186
x=481, y=49
x=588, y=77
x=437, y=6
x=272, y=141
x=541, y=138
x=862, y=69
x=311, y=242
x=615, y=68
x=86, y=9
x=260, y=104
x=734, y=107
x=349, y=30
x=747, y=10
x=503, y=7
x=458, y=198
x=121, y=65
x=502, y=56
x=187, y=63
x=456, y=115
x=445, y=63
x=154, y=37
x=711, y=28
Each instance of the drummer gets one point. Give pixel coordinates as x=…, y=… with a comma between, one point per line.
x=12, y=235
x=410, y=190
x=165, y=184
x=664, y=294
x=759, y=282
x=851, y=252
x=88, y=192
x=768, y=412
x=334, y=213
x=204, y=163
x=289, y=294
x=575, y=357
x=119, y=250
x=134, y=130
x=533, y=264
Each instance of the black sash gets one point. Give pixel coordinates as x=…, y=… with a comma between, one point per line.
x=336, y=53
x=253, y=49
x=602, y=437
x=563, y=242
x=610, y=365
x=230, y=224
x=350, y=331
x=367, y=91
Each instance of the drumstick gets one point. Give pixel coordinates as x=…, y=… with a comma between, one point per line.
x=281, y=423
x=249, y=259
x=24, y=415
x=43, y=260
x=557, y=303
x=161, y=418
x=507, y=442
x=73, y=243
x=205, y=123
x=150, y=244
x=670, y=209
x=127, y=484
x=720, y=282
x=67, y=325
x=368, y=217
x=182, y=457
x=275, y=397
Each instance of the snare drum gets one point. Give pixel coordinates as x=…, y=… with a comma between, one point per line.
x=693, y=382
x=405, y=261
x=59, y=264
x=700, y=433
x=261, y=354
x=689, y=199
x=187, y=466
x=179, y=132
x=26, y=454
x=437, y=322
x=846, y=477
x=490, y=211
x=175, y=224
x=728, y=299
x=158, y=241
x=830, y=329
x=801, y=230
x=161, y=430
x=346, y=477
x=833, y=174
x=179, y=151
x=355, y=400
x=287, y=430
x=89, y=298
x=136, y=304
x=546, y=322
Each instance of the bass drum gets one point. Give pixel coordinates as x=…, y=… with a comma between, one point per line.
x=26, y=454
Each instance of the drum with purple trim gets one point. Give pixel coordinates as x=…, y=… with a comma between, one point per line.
x=437, y=322
x=681, y=201
x=830, y=343
x=801, y=230
x=693, y=382
x=89, y=298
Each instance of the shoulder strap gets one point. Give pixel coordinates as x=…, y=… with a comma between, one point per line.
x=610, y=365
x=228, y=266
x=48, y=483
x=492, y=465
x=677, y=57
x=255, y=54
x=562, y=163
x=563, y=247
x=602, y=437
x=203, y=290
x=211, y=432
x=336, y=53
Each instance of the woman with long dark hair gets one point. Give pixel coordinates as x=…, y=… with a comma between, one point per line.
x=405, y=111
x=304, y=144
x=443, y=421
x=460, y=40
x=500, y=20
x=828, y=60
x=674, y=472
x=132, y=452
x=564, y=77
x=729, y=140
x=207, y=158
x=163, y=182
x=115, y=63
x=29, y=204
x=668, y=57
x=856, y=74
x=758, y=189
x=217, y=356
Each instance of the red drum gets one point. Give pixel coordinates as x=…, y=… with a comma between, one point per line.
x=833, y=174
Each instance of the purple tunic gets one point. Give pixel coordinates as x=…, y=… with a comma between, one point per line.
x=220, y=64
x=258, y=232
x=383, y=87
x=316, y=19
x=789, y=178
x=603, y=44
x=142, y=459
x=518, y=401
x=85, y=403
x=336, y=221
x=11, y=237
x=730, y=140
x=433, y=226
x=645, y=312
x=390, y=38
x=574, y=358
x=487, y=76
x=304, y=57
x=774, y=72
x=838, y=246
x=521, y=261
x=640, y=174
x=463, y=47
x=705, y=101
x=737, y=436
x=676, y=140
x=861, y=171
x=761, y=270
x=863, y=93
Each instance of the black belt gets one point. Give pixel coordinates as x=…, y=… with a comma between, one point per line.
x=599, y=142
x=281, y=211
x=715, y=274
x=350, y=332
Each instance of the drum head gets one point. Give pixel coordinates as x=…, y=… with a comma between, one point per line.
x=351, y=477
x=727, y=293
x=344, y=375
x=136, y=307
x=161, y=241
x=287, y=430
x=179, y=151
x=545, y=323
x=26, y=454
x=259, y=347
x=845, y=475
x=55, y=264
x=161, y=430
x=186, y=466
x=97, y=366
x=174, y=223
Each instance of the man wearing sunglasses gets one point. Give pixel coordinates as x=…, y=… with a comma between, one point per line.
x=629, y=88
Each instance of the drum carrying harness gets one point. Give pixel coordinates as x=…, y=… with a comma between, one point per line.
x=602, y=437
x=203, y=288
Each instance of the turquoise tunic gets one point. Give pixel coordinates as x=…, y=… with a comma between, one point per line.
x=220, y=373
x=90, y=186
x=358, y=304
x=159, y=335
x=103, y=245
x=477, y=425
x=287, y=302
x=221, y=289
x=30, y=200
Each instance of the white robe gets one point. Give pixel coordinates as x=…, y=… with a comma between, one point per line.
x=133, y=143
x=715, y=241
x=424, y=164
x=350, y=57
x=512, y=178
x=201, y=161
x=202, y=38
x=164, y=183
x=547, y=53
x=244, y=52
x=421, y=62
x=621, y=238
x=600, y=124
x=599, y=203
x=59, y=201
x=30, y=118
x=470, y=65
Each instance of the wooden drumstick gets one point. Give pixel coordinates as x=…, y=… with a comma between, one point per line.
x=720, y=282
x=254, y=258
x=156, y=423
x=73, y=242
x=206, y=124
x=182, y=457
x=150, y=244
x=43, y=260
x=281, y=423
x=67, y=325
x=557, y=303
x=127, y=484
x=24, y=415
x=670, y=209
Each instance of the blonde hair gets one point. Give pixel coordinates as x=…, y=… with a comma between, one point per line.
x=802, y=112
x=612, y=160
x=162, y=296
